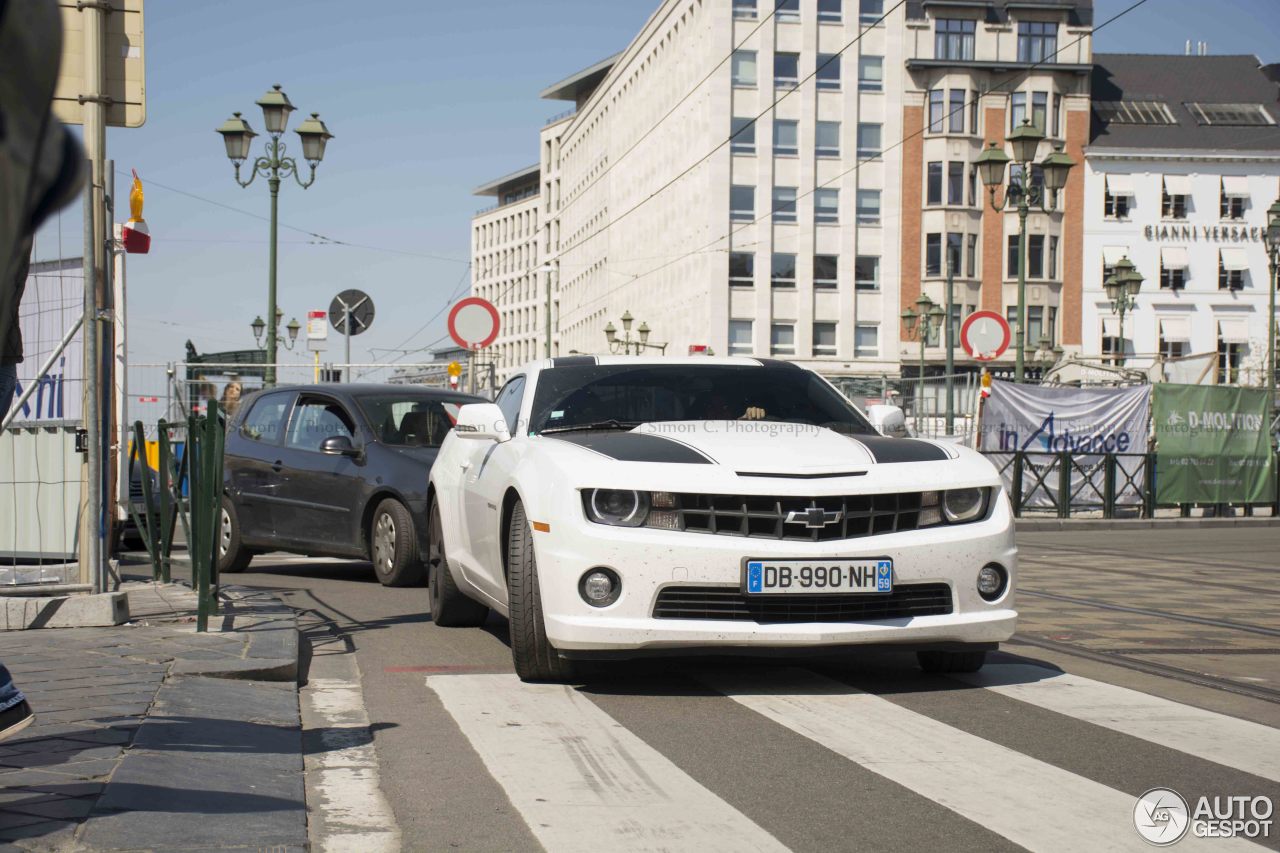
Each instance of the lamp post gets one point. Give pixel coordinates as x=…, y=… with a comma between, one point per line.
x=259, y=325
x=1025, y=195
x=273, y=165
x=626, y=344
x=1122, y=288
x=922, y=325
x=1273, y=266
x=951, y=341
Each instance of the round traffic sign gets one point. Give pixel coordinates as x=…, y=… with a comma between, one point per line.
x=985, y=335
x=473, y=322
x=358, y=304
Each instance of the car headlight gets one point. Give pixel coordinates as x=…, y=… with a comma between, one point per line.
x=954, y=506
x=618, y=507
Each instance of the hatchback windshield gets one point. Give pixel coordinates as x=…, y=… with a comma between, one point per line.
x=407, y=421
x=622, y=396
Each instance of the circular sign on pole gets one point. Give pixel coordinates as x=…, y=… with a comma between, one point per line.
x=358, y=304
x=473, y=323
x=985, y=335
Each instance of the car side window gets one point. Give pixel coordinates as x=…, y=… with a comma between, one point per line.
x=314, y=420
x=266, y=419
x=508, y=401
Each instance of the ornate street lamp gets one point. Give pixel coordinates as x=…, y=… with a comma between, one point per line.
x=1273, y=265
x=922, y=325
x=626, y=344
x=1122, y=288
x=1024, y=194
x=259, y=325
x=238, y=136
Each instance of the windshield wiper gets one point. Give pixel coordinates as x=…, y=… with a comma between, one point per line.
x=612, y=423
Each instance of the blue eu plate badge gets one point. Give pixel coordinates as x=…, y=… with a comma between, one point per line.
x=755, y=577
x=884, y=576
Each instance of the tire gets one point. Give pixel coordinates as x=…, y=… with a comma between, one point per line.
x=535, y=658
x=450, y=608
x=233, y=557
x=942, y=662
x=392, y=545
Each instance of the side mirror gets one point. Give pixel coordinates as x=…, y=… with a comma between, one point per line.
x=338, y=445
x=482, y=422
x=888, y=420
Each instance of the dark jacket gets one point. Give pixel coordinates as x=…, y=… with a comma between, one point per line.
x=11, y=338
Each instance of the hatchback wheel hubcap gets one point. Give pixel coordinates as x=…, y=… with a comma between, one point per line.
x=224, y=541
x=384, y=541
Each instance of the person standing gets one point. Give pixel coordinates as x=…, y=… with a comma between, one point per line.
x=15, y=713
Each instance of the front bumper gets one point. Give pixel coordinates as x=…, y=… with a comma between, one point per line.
x=650, y=560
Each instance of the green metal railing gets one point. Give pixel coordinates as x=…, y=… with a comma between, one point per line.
x=197, y=471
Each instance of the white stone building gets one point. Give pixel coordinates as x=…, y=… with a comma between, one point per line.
x=505, y=248
x=1183, y=162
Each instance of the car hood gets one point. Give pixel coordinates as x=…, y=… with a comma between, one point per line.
x=756, y=447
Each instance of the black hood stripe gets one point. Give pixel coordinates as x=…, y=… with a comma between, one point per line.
x=888, y=450
x=573, y=360
x=636, y=447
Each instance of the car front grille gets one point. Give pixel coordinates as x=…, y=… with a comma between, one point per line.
x=727, y=603
x=765, y=516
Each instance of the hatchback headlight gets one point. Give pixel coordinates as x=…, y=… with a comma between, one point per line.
x=618, y=507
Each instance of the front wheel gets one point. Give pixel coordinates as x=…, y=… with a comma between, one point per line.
x=232, y=555
x=449, y=607
x=391, y=545
x=534, y=656
x=942, y=662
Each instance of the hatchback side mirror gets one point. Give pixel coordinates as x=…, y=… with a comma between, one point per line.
x=338, y=445
x=482, y=421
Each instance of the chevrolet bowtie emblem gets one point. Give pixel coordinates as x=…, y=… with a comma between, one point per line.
x=815, y=516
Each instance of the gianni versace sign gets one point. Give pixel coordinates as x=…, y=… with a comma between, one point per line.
x=1205, y=233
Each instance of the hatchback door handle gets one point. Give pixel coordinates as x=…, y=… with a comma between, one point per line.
x=277, y=466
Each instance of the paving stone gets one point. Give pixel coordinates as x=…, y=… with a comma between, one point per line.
x=62, y=808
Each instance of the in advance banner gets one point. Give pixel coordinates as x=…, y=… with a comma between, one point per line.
x=53, y=299
x=1085, y=422
x=1212, y=445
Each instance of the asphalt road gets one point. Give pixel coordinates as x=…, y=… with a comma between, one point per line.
x=862, y=754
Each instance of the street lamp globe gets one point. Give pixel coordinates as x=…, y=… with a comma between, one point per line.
x=275, y=110
x=258, y=326
x=626, y=321
x=1273, y=225
x=293, y=328
x=643, y=330
x=1025, y=141
x=909, y=320
x=936, y=316
x=314, y=136
x=1112, y=287
x=1056, y=167
x=1131, y=280
x=610, y=332
x=991, y=163
x=238, y=137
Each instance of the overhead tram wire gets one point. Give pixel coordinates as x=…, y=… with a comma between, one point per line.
x=457, y=289
x=671, y=111
x=1023, y=74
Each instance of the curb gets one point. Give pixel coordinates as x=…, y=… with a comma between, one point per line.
x=1048, y=525
x=271, y=627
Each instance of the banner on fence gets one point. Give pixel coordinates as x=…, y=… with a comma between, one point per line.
x=1212, y=445
x=1084, y=422
x=53, y=300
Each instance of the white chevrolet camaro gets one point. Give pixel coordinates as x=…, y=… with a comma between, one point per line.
x=615, y=507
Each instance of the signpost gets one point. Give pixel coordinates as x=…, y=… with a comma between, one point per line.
x=351, y=313
x=985, y=335
x=473, y=323
x=317, y=335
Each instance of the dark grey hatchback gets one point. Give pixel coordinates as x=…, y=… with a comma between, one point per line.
x=334, y=471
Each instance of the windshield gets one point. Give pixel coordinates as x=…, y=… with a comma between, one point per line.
x=619, y=396
x=405, y=421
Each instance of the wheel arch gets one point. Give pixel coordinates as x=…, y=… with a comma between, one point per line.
x=366, y=515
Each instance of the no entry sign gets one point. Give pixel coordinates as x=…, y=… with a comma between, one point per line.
x=985, y=335
x=473, y=323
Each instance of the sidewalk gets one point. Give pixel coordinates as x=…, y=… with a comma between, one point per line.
x=151, y=736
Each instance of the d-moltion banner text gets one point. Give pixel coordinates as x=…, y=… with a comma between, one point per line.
x=1212, y=445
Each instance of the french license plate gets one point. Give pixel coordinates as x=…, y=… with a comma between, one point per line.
x=782, y=577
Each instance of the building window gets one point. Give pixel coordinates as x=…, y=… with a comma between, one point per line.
x=937, y=109
x=955, y=183
x=870, y=11
x=1037, y=41
x=1173, y=349
x=742, y=135
x=742, y=269
x=828, y=71
x=1231, y=204
x=744, y=68
x=1112, y=348
x=866, y=340
x=788, y=11
x=782, y=339
x=1057, y=115
x=1172, y=206
x=825, y=271
x=971, y=262
x=953, y=39
x=826, y=205
x=827, y=138
x=868, y=207
x=742, y=203
x=871, y=73
x=786, y=138
x=784, y=204
x=1052, y=271
x=955, y=252
x=1035, y=325
x=933, y=254
x=1230, y=356
x=824, y=338
x=829, y=11
x=973, y=186
x=973, y=113
x=933, y=183
x=1035, y=256
x=866, y=272
x=744, y=9
x=783, y=273
x=869, y=139
x=1230, y=270
x=1172, y=278
x=1017, y=109
x=786, y=70
x=1039, y=110
x=955, y=112
x=1012, y=257
x=740, y=337
x=1115, y=205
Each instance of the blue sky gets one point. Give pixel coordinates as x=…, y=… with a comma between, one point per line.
x=427, y=99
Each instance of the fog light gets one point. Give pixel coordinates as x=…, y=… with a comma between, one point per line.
x=991, y=581
x=600, y=587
